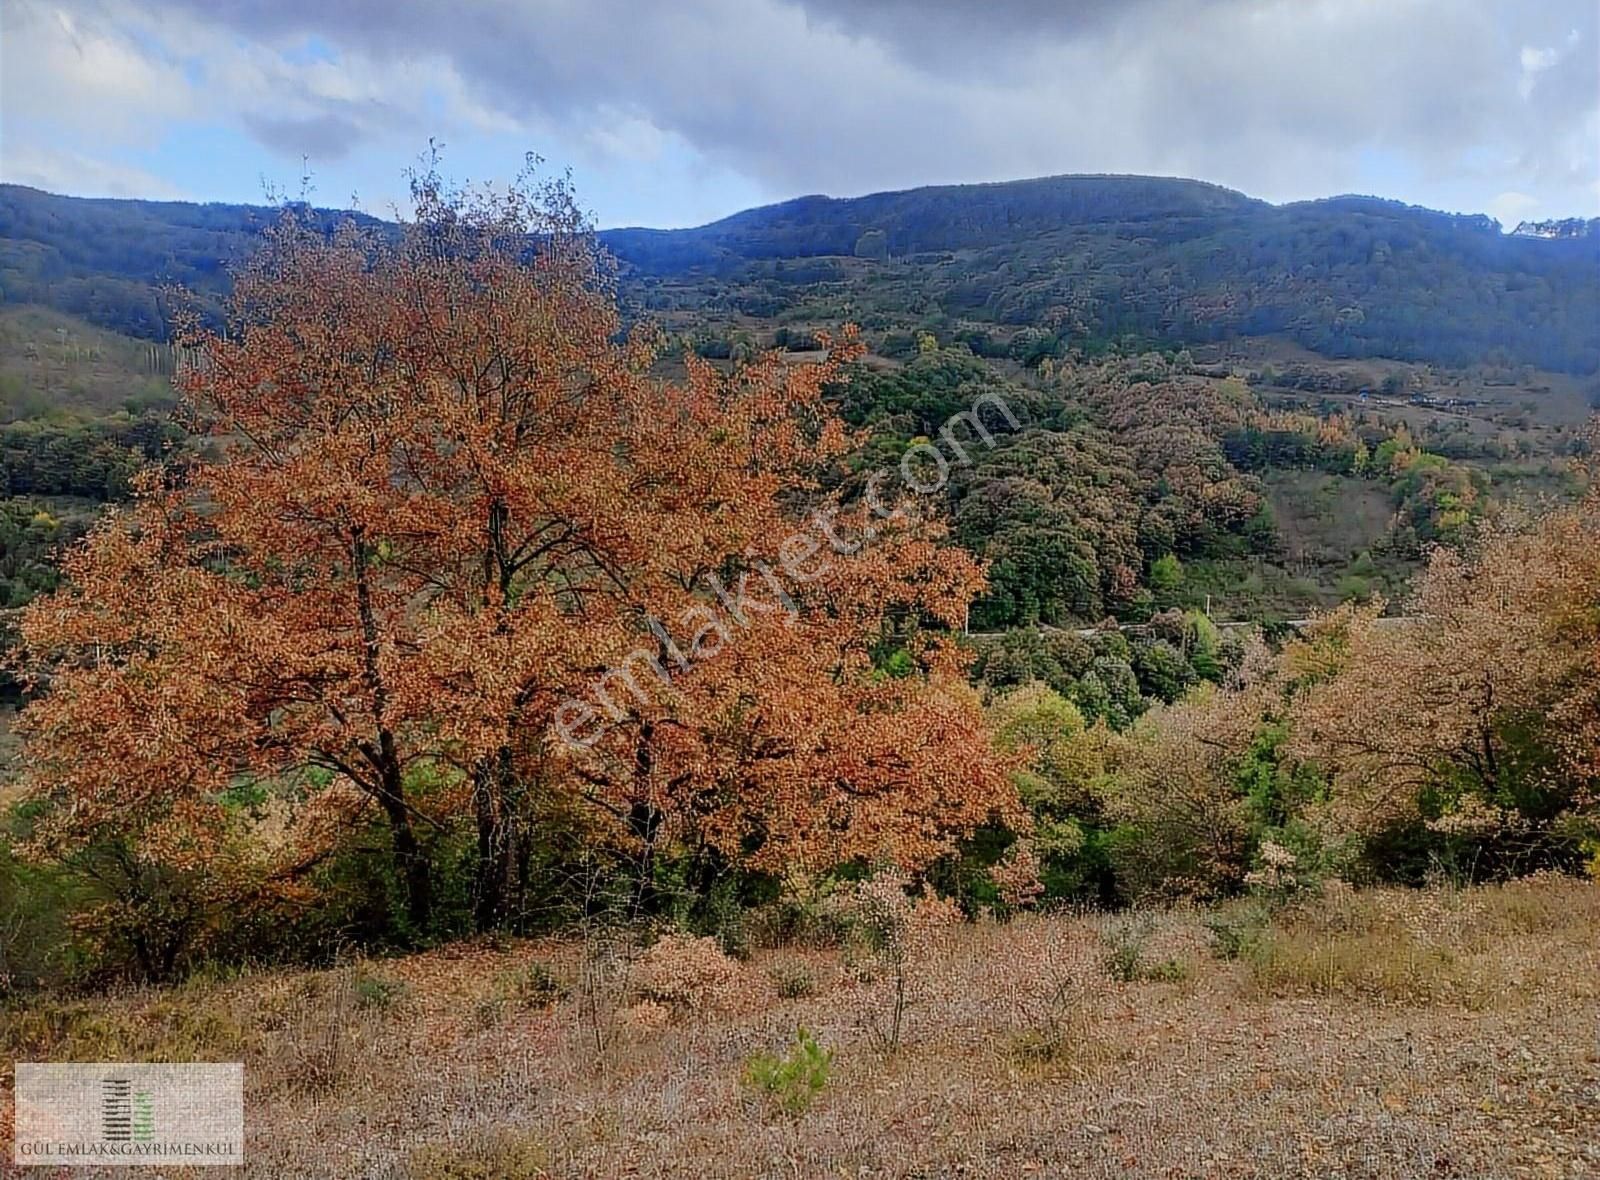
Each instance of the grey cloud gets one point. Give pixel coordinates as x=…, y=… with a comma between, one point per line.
x=326, y=136
x=1279, y=97
x=974, y=37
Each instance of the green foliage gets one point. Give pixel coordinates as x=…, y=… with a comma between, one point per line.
x=504, y=1153
x=1166, y=579
x=1163, y=671
x=1125, y=959
x=794, y=981
x=1274, y=786
x=1026, y=654
x=533, y=985
x=377, y=992
x=1129, y=460
x=31, y=539
x=1109, y=692
x=700, y=895
x=94, y=460
x=1238, y=930
x=918, y=399
x=1124, y=948
x=37, y=945
x=1372, y=277
x=790, y=1082
x=1043, y=511
x=1203, y=644
x=1060, y=786
x=872, y=244
x=799, y=914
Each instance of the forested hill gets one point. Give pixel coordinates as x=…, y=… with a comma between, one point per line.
x=1172, y=260
x=942, y=218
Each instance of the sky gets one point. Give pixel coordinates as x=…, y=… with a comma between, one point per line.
x=676, y=113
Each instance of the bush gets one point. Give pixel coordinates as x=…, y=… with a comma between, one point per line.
x=1237, y=933
x=794, y=981
x=1052, y=1014
x=1125, y=945
x=533, y=986
x=894, y=936
x=37, y=947
x=376, y=992
x=501, y=1154
x=801, y=915
x=686, y=973
x=793, y=1081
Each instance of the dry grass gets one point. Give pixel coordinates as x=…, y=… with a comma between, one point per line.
x=1364, y=1035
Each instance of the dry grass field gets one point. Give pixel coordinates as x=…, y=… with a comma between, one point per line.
x=1374, y=1034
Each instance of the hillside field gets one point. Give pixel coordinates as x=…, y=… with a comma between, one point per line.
x=1394, y=1034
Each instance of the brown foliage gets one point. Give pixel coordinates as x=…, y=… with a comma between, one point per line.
x=1486, y=691
x=447, y=496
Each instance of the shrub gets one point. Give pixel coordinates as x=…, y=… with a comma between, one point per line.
x=37, y=947
x=794, y=981
x=894, y=935
x=685, y=972
x=376, y=992
x=1016, y=877
x=803, y=914
x=1166, y=971
x=316, y=1042
x=500, y=1154
x=1414, y=947
x=533, y=986
x=793, y=1081
x=1236, y=934
x=1051, y=1013
x=1125, y=945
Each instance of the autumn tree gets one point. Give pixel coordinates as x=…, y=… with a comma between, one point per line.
x=446, y=499
x=1179, y=785
x=1061, y=780
x=1475, y=714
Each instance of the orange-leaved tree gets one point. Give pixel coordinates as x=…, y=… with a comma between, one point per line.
x=1478, y=713
x=445, y=500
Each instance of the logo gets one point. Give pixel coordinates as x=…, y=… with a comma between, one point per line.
x=129, y=1114
x=126, y=1115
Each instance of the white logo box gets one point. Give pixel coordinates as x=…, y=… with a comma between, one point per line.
x=129, y=1113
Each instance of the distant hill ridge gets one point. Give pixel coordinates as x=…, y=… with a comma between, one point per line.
x=944, y=217
x=1170, y=258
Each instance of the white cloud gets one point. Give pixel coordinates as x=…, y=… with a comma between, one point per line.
x=70, y=172
x=74, y=72
x=1511, y=207
x=1465, y=99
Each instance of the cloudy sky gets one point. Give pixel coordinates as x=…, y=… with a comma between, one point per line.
x=673, y=113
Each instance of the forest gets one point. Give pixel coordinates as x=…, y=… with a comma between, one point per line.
x=898, y=636
x=300, y=683
x=1099, y=257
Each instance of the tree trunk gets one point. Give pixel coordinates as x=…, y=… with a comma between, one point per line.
x=411, y=860
x=494, y=780
x=495, y=808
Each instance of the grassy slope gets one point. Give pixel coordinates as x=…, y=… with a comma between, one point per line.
x=1384, y=1034
x=52, y=363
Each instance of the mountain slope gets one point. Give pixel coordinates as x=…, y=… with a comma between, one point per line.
x=946, y=217
x=1097, y=256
